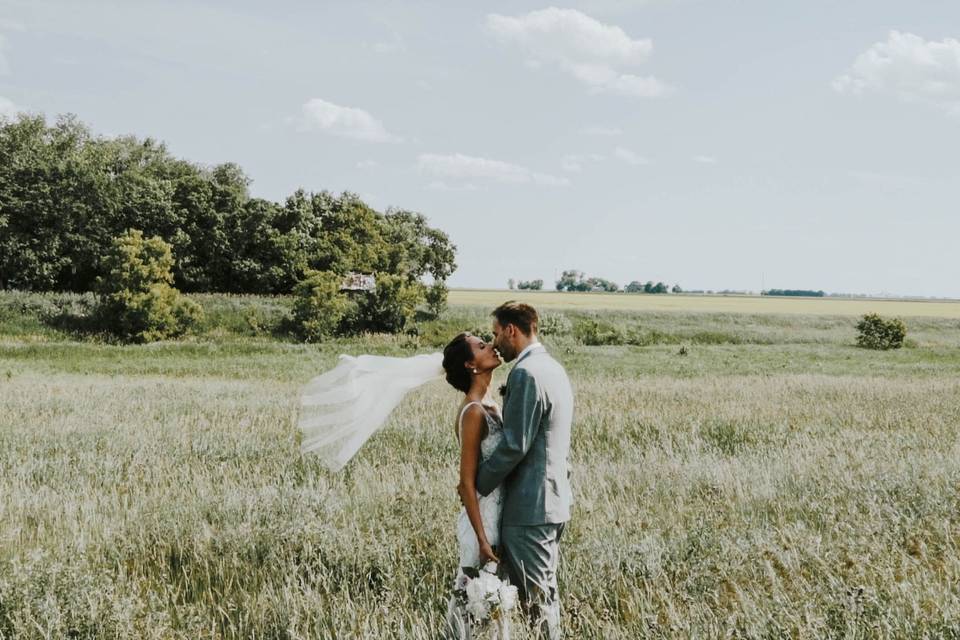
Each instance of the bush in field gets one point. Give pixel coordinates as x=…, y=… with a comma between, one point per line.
x=555, y=324
x=389, y=307
x=876, y=332
x=319, y=306
x=596, y=333
x=137, y=300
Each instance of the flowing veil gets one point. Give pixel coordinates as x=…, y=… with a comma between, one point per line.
x=342, y=408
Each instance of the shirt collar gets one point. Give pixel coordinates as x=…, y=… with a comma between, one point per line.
x=530, y=347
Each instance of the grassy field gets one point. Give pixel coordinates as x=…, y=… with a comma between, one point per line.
x=710, y=303
x=773, y=482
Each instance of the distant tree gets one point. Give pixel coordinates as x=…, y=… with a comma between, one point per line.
x=660, y=288
x=572, y=280
x=599, y=284
x=634, y=287
x=648, y=287
x=136, y=300
x=676, y=289
x=793, y=292
x=532, y=285
x=511, y=284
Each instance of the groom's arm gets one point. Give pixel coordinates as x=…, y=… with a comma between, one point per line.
x=521, y=420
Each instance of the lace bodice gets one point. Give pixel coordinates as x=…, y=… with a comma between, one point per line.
x=494, y=428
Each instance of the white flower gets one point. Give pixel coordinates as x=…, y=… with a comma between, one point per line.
x=477, y=609
x=508, y=597
x=489, y=583
x=475, y=592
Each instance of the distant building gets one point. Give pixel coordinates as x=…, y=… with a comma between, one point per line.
x=358, y=282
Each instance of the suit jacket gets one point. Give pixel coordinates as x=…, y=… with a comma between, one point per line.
x=532, y=459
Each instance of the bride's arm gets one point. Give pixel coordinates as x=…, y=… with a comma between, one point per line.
x=471, y=433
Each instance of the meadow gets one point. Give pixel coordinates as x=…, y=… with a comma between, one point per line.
x=738, y=473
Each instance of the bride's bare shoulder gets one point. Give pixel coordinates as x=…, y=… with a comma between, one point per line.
x=472, y=415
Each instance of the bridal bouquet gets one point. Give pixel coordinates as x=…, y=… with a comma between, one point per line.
x=485, y=596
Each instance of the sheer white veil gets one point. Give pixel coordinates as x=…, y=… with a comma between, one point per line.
x=342, y=408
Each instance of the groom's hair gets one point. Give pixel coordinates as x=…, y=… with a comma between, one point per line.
x=522, y=316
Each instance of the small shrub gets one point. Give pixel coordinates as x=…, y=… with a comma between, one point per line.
x=319, y=307
x=596, y=333
x=137, y=300
x=555, y=324
x=876, y=332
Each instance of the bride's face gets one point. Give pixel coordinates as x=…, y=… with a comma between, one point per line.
x=484, y=356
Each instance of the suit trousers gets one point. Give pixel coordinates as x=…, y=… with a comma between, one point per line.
x=532, y=556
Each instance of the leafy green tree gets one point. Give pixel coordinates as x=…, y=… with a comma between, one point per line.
x=65, y=194
x=599, y=284
x=572, y=280
x=390, y=307
x=634, y=287
x=511, y=284
x=531, y=285
x=436, y=298
x=676, y=289
x=319, y=308
x=137, y=301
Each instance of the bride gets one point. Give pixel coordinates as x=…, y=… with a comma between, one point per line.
x=342, y=408
x=468, y=363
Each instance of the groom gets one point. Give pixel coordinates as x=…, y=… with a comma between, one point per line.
x=531, y=461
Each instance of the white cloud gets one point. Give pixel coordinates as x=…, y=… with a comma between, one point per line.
x=594, y=53
x=910, y=68
x=629, y=156
x=600, y=130
x=346, y=122
x=705, y=159
x=573, y=162
x=462, y=167
x=440, y=185
x=7, y=108
x=367, y=164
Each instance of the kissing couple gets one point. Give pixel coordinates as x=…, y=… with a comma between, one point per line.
x=514, y=461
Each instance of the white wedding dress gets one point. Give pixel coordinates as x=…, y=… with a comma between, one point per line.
x=458, y=625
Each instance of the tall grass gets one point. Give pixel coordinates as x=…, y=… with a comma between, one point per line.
x=786, y=484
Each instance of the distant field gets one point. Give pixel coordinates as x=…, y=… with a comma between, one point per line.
x=714, y=304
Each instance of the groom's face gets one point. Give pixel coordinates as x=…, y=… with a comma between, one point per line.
x=503, y=340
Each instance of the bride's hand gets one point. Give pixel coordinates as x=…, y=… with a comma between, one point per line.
x=487, y=554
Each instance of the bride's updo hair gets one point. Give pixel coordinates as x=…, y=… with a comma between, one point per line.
x=455, y=357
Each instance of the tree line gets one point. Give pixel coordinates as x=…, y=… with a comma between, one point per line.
x=67, y=194
x=573, y=280
x=809, y=293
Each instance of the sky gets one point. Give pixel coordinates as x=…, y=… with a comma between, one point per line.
x=717, y=144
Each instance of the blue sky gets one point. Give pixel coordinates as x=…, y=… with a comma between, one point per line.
x=717, y=144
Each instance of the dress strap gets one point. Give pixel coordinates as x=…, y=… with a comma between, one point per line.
x=464, y=411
